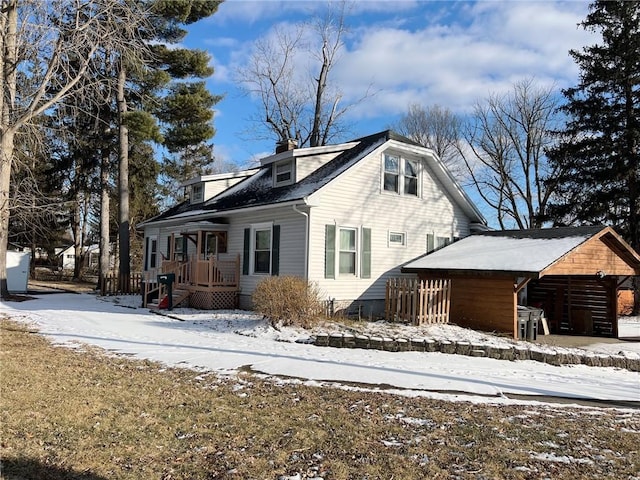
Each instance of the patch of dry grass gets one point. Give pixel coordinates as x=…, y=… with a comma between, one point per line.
x=69, y=414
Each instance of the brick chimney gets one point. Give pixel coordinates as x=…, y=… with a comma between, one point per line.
x=286, y=145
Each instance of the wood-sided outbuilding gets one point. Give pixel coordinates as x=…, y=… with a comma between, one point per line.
x=572, y=273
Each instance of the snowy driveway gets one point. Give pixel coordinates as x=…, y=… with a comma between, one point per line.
x=68, y=318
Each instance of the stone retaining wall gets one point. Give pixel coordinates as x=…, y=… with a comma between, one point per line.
x=516, y=352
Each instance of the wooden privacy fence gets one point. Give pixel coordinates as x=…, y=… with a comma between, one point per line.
x=417, y=301
x=114, y=284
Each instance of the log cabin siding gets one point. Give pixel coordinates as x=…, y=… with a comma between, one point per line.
x=590, y=258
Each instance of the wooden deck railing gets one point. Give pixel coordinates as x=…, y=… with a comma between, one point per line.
x=213, y=272
x=418, y=301
x=210, y=274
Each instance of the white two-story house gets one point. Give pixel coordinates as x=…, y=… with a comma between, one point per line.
x=345, y=216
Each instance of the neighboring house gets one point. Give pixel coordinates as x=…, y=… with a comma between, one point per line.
x=343, y=216
x=91, y=257
x=572, y=273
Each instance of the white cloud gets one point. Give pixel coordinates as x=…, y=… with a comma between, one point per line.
x=450, y=53
x=456, y=65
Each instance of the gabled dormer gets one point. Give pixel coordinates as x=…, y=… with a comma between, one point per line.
x=290, y=165
x=204, y=187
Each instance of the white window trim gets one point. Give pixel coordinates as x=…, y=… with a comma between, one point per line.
x=358, y=249
x=393, y=244
x=252, y=247
x=402, y=176
x=151, y=239
x=199, y=197
x=292, y=165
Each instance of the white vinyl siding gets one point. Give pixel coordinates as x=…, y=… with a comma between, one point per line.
x=291, y=245
x=355, y=199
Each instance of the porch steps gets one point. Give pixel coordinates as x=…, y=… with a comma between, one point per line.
x=178, y=296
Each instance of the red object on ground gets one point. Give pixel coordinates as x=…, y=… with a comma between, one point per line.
x=164, y=303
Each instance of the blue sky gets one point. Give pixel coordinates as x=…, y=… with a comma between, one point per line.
x=450, y=53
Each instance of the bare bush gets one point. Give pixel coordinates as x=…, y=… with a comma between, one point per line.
x=288, y=301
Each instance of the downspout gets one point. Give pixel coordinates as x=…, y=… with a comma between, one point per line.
x=306, y=241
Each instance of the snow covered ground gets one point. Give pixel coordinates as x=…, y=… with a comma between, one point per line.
x=228, y=341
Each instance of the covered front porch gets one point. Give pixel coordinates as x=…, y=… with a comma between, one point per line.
x=196, y=270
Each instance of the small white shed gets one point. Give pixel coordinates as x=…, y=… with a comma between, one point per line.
x=18, y=271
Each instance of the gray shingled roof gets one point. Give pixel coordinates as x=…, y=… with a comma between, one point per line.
x=258, y=190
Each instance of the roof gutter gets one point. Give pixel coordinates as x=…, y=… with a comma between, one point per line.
x=216, y=213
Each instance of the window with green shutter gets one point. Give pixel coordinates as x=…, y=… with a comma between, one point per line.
x=261, y=251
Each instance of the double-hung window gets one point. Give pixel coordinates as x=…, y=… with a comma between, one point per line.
x=262, y=251
x=347, y=251
x=283, y=173
x=197, y=193
x=347, y=262
x=401, y=175
x=392, y=173
x=152, y=252
x=261, y=254
x=410, y=177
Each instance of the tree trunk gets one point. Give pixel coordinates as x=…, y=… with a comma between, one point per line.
x=8, y=55
x=77, y=238
x=123, y=183
x=6, y=157
x=320, y=88
x=104, y=220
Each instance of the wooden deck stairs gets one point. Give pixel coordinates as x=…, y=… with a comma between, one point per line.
x=178, y=296
x=207, y=284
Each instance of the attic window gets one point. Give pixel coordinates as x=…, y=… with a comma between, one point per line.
x=197, y=193
x=400, y=176
x=283, y=173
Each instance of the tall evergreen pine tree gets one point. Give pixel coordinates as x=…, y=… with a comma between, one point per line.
x=598, y=151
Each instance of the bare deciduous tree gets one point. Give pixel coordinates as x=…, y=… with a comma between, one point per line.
x=507, y=138
x=434, y=127
x=52, y=44
x=289, y=72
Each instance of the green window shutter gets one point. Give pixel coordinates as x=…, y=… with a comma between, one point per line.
x=147, y=263
x=245, y=251
x=275, y=250
x=330, y=251
x=365, y=257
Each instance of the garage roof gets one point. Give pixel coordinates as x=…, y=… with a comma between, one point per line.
x=526, y=253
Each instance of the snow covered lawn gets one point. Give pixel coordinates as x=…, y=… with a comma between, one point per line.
x=228, y=341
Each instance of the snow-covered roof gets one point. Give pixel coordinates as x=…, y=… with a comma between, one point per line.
x=515, y=251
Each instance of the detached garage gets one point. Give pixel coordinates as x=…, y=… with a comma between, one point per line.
x=572, y=273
